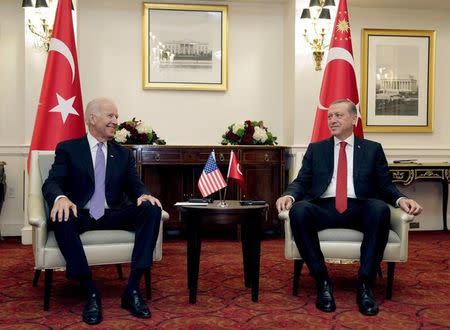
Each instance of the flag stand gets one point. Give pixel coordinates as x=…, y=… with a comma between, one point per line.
x=222, y=202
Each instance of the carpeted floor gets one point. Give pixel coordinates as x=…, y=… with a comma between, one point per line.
x=421, y=296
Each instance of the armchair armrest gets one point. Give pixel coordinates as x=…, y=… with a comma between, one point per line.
x=400, y=220
x=36, y=211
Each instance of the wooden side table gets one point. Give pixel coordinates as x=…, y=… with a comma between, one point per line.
x=249, y=217
x=408, y=173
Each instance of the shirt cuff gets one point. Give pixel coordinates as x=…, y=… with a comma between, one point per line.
x=59, y=197
x=398, y=200
x=293, y=199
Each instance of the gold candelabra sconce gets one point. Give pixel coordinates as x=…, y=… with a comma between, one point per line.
x=317, y=18
x=42, y=32
x=39, y=16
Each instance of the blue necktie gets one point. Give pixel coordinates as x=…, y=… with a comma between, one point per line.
x=97, y=205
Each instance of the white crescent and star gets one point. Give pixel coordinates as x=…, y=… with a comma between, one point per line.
x=60, y=47
x=239, y=169
x=65, y=106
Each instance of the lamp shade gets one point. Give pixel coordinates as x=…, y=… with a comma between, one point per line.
x=324, y=13
x=41, y=3
x=305, y=13
x=314, y=3
x=27, y=3
x=329, y=3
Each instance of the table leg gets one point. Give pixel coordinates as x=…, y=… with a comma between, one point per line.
x=246, y=255
x=251, y=231
x=193, y=258
x=444, y=203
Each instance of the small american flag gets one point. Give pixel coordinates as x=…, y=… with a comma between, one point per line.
x=211, y=179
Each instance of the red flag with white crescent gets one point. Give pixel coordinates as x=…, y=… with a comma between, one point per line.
x=339, y=80
x=234, y=170
x=59, y=115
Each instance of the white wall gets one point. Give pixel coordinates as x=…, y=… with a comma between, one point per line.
x=110, y=65
x=12, y=118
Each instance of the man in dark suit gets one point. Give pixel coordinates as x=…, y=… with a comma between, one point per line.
x=93, y=185
x=344, y=182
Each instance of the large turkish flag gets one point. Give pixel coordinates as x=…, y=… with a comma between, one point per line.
x=339, y=80
x=59, y=115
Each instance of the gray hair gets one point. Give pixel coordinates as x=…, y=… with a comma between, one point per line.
x=95, y=106
x=351, y=106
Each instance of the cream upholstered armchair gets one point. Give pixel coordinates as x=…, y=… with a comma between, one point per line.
x=102, y=247
x=343, y=246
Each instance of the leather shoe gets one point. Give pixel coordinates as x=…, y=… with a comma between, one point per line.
x=325, y=301
x=365, y=300
x=92, y=312
x=132, y=301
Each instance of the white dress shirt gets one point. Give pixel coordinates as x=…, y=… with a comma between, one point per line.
x=349, y=148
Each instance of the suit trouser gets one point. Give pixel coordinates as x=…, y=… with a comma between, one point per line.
x=144, y=220
x=370, y=216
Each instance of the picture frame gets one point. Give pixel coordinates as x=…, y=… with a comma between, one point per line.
x=397, y=80
x=185, y=47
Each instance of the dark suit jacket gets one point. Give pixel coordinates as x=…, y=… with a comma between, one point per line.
x=370, y=172
x=72, y=175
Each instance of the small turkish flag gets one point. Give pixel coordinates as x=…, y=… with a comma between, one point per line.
x=59, y=115
x=339, y=80
x=234, y=170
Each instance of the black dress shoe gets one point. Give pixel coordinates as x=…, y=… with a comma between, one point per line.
x=132, y=301
x=365, y=300
x=92, y=312
x=325, y=301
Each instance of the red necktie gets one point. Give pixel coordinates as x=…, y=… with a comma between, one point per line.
x=341, y=182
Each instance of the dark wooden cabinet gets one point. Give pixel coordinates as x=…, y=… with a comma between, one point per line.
x=172, y=172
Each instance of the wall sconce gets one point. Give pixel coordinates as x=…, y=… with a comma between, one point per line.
x=38, y=23
x=317, y=15
x=39, y=20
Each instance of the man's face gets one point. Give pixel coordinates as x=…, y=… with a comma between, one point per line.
x=341, y=120
x=103, y=123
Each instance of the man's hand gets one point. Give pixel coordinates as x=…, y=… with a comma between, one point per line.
x=150, y=199
x=410, y=206
x=61, y=209
x=283, y=203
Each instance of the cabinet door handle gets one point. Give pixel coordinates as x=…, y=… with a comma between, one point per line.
x=221, y=157
x=266, y=157
x=157, y=157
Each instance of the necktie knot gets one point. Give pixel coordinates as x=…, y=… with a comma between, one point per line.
x=343, y=144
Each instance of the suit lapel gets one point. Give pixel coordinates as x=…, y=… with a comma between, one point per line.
x=86, y=158
x=329, y=157
x=358, y=153
x=111, y=158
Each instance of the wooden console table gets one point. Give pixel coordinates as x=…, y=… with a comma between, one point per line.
x=171, y=173
x=408, y=173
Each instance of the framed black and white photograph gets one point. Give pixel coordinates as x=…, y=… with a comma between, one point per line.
x=185, y=47
x=397, y=80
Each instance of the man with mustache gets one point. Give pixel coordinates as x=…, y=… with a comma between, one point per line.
x=344, y=182
x=93, y=185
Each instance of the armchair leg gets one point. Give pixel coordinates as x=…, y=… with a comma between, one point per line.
x=380, y=272
x=37, y=274
x=47, y=288
x=390, y=279
x=119, y=271
x=148, y=283
x=298, y=265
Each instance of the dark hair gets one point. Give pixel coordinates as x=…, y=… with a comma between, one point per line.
x=351, y=106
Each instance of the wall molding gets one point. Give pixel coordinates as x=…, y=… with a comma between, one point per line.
x=14, y=150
